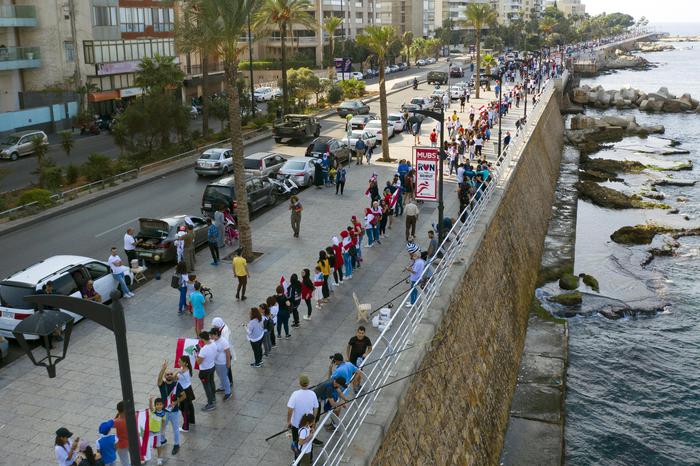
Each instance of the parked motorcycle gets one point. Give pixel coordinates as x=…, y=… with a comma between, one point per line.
x=285, y=185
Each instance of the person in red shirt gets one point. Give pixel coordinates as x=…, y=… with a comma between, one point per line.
x=433, y=138
x=122, y=436
x=339, y=261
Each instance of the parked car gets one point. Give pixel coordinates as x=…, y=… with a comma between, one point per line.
x=155, y=240
x=371, y=73
x=421, y=62
x=352, y=107
x=264, y=163
x=456, y=72
x=20, y=144
x=300, y=169
x=263, y=94
x=351, y=75
x=374, y=127
x=394, y=68
x=456, y=92
x=360, y=121
x=418, y=102
x=432, y=60
x=387, y=70
x=217, y=161
x=4, y=348
x=326, y=144
x=369, y=138
x=69, y=275
x=397, y=120
x=437, y=77
x=260, y=193
x=403, y=66
x=296, y=127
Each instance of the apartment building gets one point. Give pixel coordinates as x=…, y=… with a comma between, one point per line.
x=509, y=10
x=569, y=7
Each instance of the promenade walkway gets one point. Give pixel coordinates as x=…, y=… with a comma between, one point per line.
x=86, y=388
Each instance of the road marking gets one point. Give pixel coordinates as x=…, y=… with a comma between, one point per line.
x=118, y=226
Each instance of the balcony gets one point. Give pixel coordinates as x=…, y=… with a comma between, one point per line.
x=17, y=16
x=19, y=58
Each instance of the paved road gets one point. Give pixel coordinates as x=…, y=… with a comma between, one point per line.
x=91, y=231
x=16, y=175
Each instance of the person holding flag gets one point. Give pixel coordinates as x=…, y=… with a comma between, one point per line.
x=172, y=395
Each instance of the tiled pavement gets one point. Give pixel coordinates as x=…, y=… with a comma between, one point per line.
x=87, y=388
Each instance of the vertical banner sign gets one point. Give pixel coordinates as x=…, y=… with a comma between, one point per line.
x=347, y=66
x=339, y=63
x=425, y=159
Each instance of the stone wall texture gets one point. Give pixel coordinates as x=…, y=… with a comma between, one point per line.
x=457, y=413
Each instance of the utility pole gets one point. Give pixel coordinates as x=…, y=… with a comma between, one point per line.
x=250, y=68
x=77, y=79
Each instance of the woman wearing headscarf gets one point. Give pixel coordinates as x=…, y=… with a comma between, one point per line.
x=219, y=323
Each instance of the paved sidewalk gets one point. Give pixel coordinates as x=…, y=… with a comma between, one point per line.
x=86, y=388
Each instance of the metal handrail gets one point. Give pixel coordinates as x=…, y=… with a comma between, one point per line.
x=99, y=185
x=400, y=330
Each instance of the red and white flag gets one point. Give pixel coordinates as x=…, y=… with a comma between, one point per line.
x=394, y=197
x=189, y=347
x=284, y=283
x=145, y=446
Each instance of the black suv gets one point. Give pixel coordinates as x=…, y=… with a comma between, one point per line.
x=335, y=147
x=439, y=77
x=260, y=192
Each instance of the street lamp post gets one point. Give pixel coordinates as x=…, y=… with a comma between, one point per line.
x=250, y=68
x=44, y=322
x=441, y=205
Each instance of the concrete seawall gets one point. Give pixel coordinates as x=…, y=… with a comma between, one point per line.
x=457, y=412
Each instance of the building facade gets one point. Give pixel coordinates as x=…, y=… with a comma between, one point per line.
x=509, y=10
x=568, y=7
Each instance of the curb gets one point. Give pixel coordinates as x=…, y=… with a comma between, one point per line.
x=69, y=206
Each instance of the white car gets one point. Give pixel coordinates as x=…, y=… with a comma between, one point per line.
x=420, y=102
x=397, y=120
x=369, y=138
x=456, y=92
x=69, y=275
x=438, y=93
x=421, y=62
x=431, y=60
x=263, y=94
x=375, y=127
x=352, y=75
x=300, y=169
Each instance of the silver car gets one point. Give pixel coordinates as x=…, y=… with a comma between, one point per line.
x=218, y=161
x=19, y=144
x=300, y=169
x=263, y=163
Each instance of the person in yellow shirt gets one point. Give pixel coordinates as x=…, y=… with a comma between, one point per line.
x=240, y=270
x=325, y=266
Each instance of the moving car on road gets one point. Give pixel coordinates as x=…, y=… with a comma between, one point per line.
x=260, y=193
x=369, y=138
x=69, y=275
x=296, y=127
x=437, y=77
x=352, y=107
x=456, y=72
x=20, y=144
x=264, y=163
x=338, y=149
x=300, y=169
x=217, y=161
x=360, y=121
x=374, y=127
x=155, y=241
x=418, y=102
x=263, y=94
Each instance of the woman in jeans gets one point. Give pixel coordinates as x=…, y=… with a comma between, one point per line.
x=181, y=273
x=283, y=312
x=294, y=295
x=325, y=266
x=255, y=333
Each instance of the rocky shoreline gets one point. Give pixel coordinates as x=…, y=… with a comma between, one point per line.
x=627, y=97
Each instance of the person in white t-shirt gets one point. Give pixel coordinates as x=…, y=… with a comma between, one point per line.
x=130, y=245
x=117, y=267
x=206, y=358
x=225, y=331
x=306, y=432
x=223, y=361
x=301, y=402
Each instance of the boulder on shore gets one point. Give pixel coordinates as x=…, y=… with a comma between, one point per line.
x=644, y=234
x=579, y=95
x=613, y=199
x=590, y=281
x=568, y=281
x=567, y=299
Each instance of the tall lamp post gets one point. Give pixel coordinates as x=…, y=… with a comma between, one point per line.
x=441, y=156
x=250, y=68
x=44, y=322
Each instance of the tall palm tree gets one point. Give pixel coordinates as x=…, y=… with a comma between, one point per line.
x=158, y=75
x=478, y=16
x=192, y=36
x=407, y=40
x=227, y=21
x=284, y=14
x=330, y=25
x=379, y=39
x=547, y=26
x=489, y=63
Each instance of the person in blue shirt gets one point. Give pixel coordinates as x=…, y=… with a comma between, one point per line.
x=213, y=241
x=107, y=443
x=403, y=168
x=347, y=370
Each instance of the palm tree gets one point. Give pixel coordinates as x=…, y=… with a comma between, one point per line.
x=407, y=40
x=479, y=15
x=330, y=25
x=489, y=62
x=379, y=39
x=547, y=25
x=227, y=21
x=284, y=14
x=192, y=36
x=158, y=75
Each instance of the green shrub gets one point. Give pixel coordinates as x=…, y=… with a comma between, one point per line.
x=98, y=167
x=335, y=93
x=72, y=174
x=41, y=196
x=352, y=88
x=52, y=177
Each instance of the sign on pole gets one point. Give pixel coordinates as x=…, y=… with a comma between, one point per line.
x=425, y=159
x=338, y=62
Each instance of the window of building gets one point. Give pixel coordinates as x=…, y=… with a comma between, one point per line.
x=104, y=16
x=69, y=51
x=132, y=19
x=122, y=50
x=163, y=19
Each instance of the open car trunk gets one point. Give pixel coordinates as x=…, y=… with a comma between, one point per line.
x=151, y=233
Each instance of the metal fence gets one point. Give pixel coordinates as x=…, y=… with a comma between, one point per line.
x=70, y=194
x=400, y=329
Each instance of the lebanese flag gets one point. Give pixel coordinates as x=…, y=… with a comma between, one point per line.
x=145, y=446
x=394, y=197
x=284, y=283
x=188, y=346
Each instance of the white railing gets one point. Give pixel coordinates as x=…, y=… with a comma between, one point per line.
x=400, y=330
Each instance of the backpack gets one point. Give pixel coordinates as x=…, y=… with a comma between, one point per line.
x=175, y=281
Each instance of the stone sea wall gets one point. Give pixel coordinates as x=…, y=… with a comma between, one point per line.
x=457, y=412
